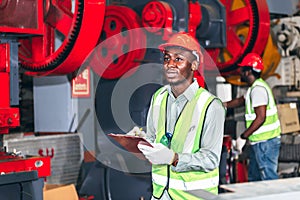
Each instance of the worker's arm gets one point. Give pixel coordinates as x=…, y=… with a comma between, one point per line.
x=260, y=112
x=150, y=132
x=235, y=102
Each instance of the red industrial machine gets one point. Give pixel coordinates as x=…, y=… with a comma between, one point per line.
x=12, y=27
x=60, y=37
x=28, y=32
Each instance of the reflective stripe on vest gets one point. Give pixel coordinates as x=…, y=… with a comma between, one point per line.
x=271, y=126
x=185, y=139
x=191, y=136
x=270, y=112
x=185, y=186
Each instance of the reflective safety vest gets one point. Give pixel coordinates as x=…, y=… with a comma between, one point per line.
x=185, y=139
x=271, y=126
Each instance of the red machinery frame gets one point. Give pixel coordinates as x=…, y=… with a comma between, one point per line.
x=9, y=117
x=10, y=164
x=8, y=28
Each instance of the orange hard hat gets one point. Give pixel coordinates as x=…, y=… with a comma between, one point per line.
x=254, y=61
x=184, y=40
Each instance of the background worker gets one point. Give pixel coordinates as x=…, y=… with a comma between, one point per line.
x=185, y=124
x=262, y=123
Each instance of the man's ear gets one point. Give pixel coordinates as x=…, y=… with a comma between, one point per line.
x=195, y=65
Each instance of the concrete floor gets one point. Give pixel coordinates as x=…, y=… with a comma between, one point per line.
x=287, y=188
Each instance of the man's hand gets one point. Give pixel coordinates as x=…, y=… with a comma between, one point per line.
x=136, y=131
x=243, y=136
x=159, y=154
x=240, y=143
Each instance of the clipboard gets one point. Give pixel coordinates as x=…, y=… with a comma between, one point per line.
x=130, y=142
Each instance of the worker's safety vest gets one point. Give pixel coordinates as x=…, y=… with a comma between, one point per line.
x=271, y=126
x=186, y=139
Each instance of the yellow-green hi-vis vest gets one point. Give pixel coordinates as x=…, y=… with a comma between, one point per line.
x=271, y=126
x=186, y=138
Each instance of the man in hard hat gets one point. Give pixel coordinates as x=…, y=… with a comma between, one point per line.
x=262, y=123
x=185, y=123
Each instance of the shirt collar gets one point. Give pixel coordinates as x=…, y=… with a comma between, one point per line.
x=189, y=93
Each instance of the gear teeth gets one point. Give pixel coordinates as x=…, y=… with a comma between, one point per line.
x=60, y=58
x=252, y=39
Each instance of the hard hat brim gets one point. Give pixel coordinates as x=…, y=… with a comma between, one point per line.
x=163, y=47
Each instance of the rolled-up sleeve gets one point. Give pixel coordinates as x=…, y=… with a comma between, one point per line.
x=208, y=157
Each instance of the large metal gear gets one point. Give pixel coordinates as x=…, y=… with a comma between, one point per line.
x=156, y=16
x=271, y=59
x=64, y=45
x=122, y=44
x=253, y=14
